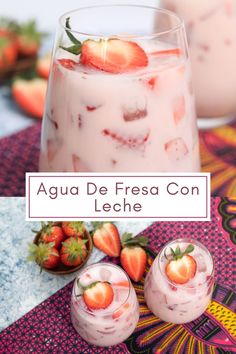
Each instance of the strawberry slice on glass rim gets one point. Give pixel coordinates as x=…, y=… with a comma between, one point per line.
x=111, y=55
x=181, y=266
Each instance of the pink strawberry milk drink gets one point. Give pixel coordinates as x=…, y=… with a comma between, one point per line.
x=211, y=29
x=179, y=285
x=104, y=305
x=118, y=102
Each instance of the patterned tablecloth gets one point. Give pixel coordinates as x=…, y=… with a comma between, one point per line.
x=19, y=153
x=47, y=328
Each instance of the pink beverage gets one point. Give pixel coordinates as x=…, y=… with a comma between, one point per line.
x=211, y=28
x=110, y=326
x=101, y=117
x=180, y=291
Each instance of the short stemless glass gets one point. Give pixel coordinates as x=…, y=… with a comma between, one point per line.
x=180, y=303
x=125, y=104
x=211, y=29
x=110, y=326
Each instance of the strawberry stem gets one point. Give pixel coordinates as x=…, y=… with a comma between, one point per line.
x=84, y=288
x=77, y=45
x=74, y=248
x=97, y=224
x=128, y=240
x=69, y=34
x=177, y=254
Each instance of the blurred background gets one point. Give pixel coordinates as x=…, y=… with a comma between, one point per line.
x=47, y=12
x=13, y=116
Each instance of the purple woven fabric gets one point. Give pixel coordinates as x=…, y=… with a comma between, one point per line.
x=47, y=328
x=19, y=153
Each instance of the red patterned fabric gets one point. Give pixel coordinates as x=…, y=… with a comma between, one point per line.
x=47, y=328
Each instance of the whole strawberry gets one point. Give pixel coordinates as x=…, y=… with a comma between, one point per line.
x=28, y=39
x=73, y=228
x=45, y=255
x=106, y=238
x=133, y=257
x=52, y=233
x=8, y=49
x=73, y=251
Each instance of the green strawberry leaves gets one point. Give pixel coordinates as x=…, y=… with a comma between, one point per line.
x=128, y=240
x=177, y=253
x=77, y=45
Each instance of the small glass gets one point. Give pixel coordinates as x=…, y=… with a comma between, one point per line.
x=180, y=303
x=117, y=322
x=104, y=116
x=211, y=29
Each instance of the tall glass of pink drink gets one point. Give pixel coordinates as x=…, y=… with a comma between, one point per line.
x=211, y=29
x=114, y=324
x=180, y=291
x=120, y=94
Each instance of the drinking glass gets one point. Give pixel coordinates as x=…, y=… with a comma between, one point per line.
x=180, y=303
x=211, y=30
x=120, y=94
x=110, y=326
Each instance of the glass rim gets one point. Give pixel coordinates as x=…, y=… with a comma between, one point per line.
x=102, y=264
x=192, y=241
x=177, y=27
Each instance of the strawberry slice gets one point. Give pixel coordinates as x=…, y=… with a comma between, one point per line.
x=131, y=142
x=179, y=109
x=67, y=63
x=122, y=283
x=30, y=95
x=133, y=257
x=181, y=267
x=113, y=55
x=181, y=270
x=98, y=295
x=133, y=260
x=120, y=312
x=152, y=82
x=167, y=52
x=43, y=66
x=106, y=238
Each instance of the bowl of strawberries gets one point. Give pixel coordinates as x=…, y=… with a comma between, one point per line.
x=61, y=247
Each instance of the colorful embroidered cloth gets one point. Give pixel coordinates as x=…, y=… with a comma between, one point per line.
x=19, y=153
x=47, y=328
x=218, y=156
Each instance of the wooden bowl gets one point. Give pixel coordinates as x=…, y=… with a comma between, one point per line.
x=62, y=269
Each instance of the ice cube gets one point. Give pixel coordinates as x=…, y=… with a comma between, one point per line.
x=105, y=274
x=176, y=149
x=201, y=263
x=120, y=294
